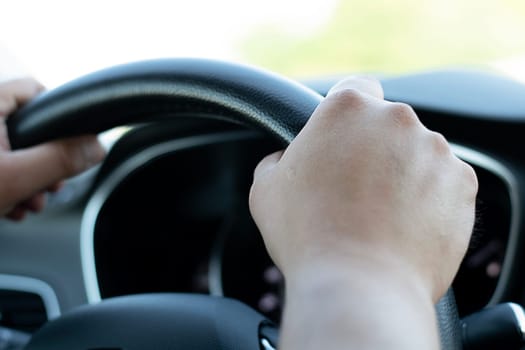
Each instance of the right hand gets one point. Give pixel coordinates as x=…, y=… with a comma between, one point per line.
x=365, y=188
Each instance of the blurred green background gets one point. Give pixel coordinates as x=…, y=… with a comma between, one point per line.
x=297, y=38
x=394, y=37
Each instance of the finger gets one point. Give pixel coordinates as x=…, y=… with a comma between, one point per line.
x=35, y=169
x=36, y=203
x=349, y=96
x=267, y=163
x=16, y=93
x=366, y=85
x=4, y=138
x=55, y=187
x=18, y=213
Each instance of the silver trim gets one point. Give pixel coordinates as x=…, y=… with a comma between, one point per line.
x=145, y=156
x=266, y=344
x=215, y=263
x=519, y=314
x=35, y=286
x=87, y=228
x=505, y=174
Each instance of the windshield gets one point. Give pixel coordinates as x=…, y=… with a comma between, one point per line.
x=56, y=41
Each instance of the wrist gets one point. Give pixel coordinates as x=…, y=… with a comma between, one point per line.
x=343, y=276
x=366, y=307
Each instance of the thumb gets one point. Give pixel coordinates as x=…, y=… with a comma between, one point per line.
x=29, y=171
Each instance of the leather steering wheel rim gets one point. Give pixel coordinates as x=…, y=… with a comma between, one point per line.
x=134, y=92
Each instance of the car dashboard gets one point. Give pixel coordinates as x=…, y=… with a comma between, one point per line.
x=167, y=210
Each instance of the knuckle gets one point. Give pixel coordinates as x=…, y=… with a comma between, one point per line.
x=439, y=143
x=71, y=162
x=77, y=154
x=469, y=174
x=365, y=84
x=347, y=98
x=402, y=114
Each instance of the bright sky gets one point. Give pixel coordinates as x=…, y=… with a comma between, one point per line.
x=57, y=40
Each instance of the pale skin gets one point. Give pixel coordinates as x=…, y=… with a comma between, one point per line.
x=368, y=214
x=26, y=175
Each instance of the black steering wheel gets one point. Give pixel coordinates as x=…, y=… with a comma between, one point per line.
x=160, y=90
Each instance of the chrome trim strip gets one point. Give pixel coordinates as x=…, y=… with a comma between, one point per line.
x=505, y=174
x=266, y=344
x=215, y=263
x=96, y=202
x=519, y=314
x=35, y=286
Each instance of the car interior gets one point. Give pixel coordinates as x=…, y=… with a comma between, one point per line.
x=155, y=248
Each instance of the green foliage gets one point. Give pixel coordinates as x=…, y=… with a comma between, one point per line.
x=394, y=36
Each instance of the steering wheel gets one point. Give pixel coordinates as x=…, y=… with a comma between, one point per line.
x=161, y=90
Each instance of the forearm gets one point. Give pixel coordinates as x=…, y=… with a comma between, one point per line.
x=326, y=309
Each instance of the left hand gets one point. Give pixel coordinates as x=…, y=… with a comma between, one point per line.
x=26, y=175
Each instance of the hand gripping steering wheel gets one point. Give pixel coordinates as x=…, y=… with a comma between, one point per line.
x=159, y=90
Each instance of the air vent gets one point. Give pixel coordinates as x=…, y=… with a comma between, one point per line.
x=22, y=311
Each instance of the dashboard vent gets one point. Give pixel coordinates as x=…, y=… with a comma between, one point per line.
x=22, y=311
